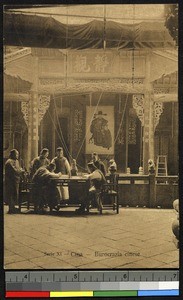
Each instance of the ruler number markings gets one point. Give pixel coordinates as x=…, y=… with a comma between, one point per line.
x=26, y=277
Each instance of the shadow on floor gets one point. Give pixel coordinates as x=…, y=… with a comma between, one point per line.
x=69, y=213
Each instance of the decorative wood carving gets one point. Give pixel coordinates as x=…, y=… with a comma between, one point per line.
x=138, y=104
x=161, y=90
x=17, y=54
x=25, y=111
x=122, y=85
x=132, y=130
x=158, y=110
x=44, y=103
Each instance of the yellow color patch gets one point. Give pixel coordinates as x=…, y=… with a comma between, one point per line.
x=72, y=294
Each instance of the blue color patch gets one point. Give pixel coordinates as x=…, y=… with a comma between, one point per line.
x=159, y=293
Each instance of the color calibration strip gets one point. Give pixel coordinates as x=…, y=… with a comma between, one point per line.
x=49, y=284
x=92, y=294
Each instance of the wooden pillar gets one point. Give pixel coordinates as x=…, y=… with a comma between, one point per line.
x=126, y=140
x=148, y=138
x=33, y=126
x=33, y=136
x=53, y=131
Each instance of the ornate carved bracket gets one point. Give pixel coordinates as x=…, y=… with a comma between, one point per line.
x=158, y=109
x=138, y=105
x=44, y=103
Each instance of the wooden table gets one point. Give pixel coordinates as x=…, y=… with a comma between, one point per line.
x=78, y=189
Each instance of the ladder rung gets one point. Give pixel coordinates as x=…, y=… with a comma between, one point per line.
x=161, y=165
x=162, y=174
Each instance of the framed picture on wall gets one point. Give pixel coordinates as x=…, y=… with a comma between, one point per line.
x=100, y=129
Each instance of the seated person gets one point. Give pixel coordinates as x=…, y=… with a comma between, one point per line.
x=74, y=169
x=45, y=191
x=112, y=164
x=112, y=170
x=97, y=180
x=98, y=163
x=175, y=224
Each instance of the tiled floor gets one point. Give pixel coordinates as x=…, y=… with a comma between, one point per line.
x=135, y=238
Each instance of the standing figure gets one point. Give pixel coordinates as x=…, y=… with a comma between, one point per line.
x=40, y=161
x=74, y=168
x=98, y=163
x=101, y=135
x=61, y=162
x=63, y=166
x=13, y=173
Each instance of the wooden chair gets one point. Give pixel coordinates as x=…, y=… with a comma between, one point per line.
x=25, y=195
x=110, y=194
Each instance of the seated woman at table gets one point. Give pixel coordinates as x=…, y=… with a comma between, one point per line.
x=97, y=180
x=45, y=191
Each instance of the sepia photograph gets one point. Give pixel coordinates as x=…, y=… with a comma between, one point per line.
x=90, y=136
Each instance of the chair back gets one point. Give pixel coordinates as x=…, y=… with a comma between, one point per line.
x=113, y=182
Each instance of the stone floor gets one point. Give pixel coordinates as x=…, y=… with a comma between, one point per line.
x=135, y=238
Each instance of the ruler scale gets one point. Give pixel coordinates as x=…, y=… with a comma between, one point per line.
x=91, y=283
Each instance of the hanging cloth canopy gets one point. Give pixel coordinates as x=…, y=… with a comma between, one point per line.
x=46, y=32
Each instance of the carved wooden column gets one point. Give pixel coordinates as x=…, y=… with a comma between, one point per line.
x=148, y=139
x=33, y=124
x=33, y=112
x=33, y=115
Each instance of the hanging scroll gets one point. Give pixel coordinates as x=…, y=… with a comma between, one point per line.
x=132, y=131
x=78, y=123
x=100, y=129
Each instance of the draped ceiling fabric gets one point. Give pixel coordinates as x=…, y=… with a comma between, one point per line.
x=46, y=32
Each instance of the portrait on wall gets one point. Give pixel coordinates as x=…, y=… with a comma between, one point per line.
x=100, y=129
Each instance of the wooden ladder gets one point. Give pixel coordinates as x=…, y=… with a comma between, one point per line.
x=161, y=169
